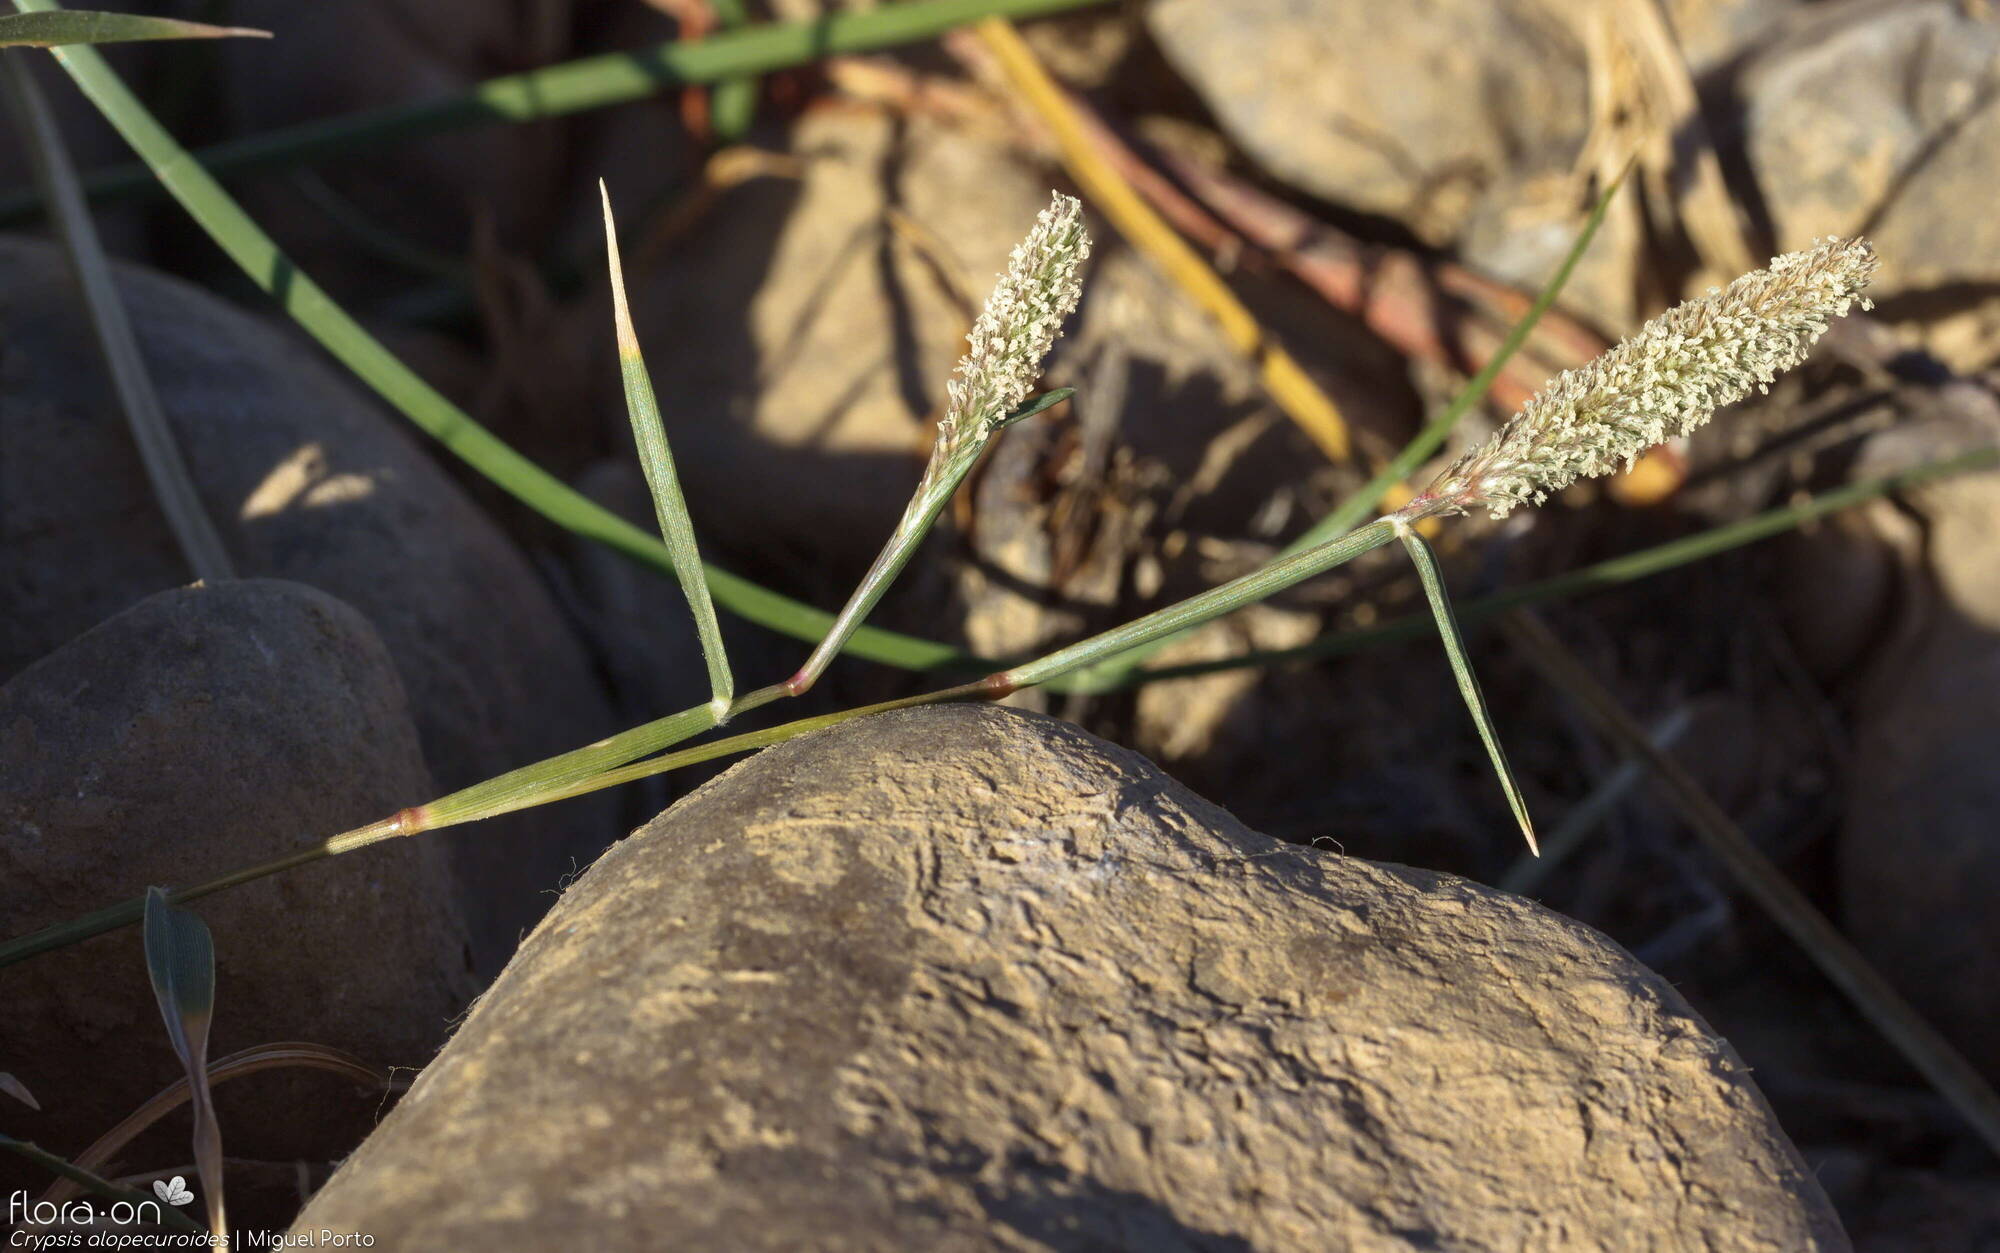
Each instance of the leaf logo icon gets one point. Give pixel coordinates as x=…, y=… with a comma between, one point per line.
x=174, y=1191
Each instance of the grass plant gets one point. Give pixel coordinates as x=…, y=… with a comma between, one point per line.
x=1668, y=378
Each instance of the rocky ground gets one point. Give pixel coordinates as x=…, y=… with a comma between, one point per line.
x=1379, y=183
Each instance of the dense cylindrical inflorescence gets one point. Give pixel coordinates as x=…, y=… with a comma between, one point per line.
x=1663, y=382
x=1015, y=330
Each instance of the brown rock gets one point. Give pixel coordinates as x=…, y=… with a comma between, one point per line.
x=205, y=730
x=306, y=481
x=968, y=978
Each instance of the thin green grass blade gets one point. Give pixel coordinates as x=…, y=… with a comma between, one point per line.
x=1615, y=572
x=1461, y=669
x=180, y=960
x=657, y=460
x=614, y=760
x=1035, y=404
x=546, y=779
x=159, y=452
x=1427, y=441
x=98, y=1184
x=506, y=468
x=581, y=85
x=1119, y=671
x=542, y=782
x=52, y=30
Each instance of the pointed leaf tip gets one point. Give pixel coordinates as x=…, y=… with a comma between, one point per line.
x=1468, y=682
x=656, y=459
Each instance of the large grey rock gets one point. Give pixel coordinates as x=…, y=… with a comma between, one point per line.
x=204, y=730
x=1875, y=116
x=1409, y=110
x=306, y=481
x=968, y=978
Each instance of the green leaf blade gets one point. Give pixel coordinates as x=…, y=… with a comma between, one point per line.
x=64, y=29
x=657, y=460
x=1461, y=669
x=180, y=961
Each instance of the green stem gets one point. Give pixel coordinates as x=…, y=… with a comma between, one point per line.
x=584, y=770
x=1213, y=603
x=732, y=105
x=1438, y=429
x=940, y=482
x=1612, y=573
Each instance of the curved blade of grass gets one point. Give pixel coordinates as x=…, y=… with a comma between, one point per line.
x=1199, y=608
x=657, y=460
x=98, y=1184
x=180, y=960
x=1427, y=441
x=577, y=86
x=1461, y=669
x=542, y=782
x=159, y=452
x=258, y=1057
x=1120, y=670
x=51, y=30
x=506, y=468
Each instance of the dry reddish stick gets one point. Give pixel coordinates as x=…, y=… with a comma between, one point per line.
x=1435, y=311
x=1430, y=309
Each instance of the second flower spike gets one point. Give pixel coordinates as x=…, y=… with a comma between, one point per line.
x=1003, y=358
